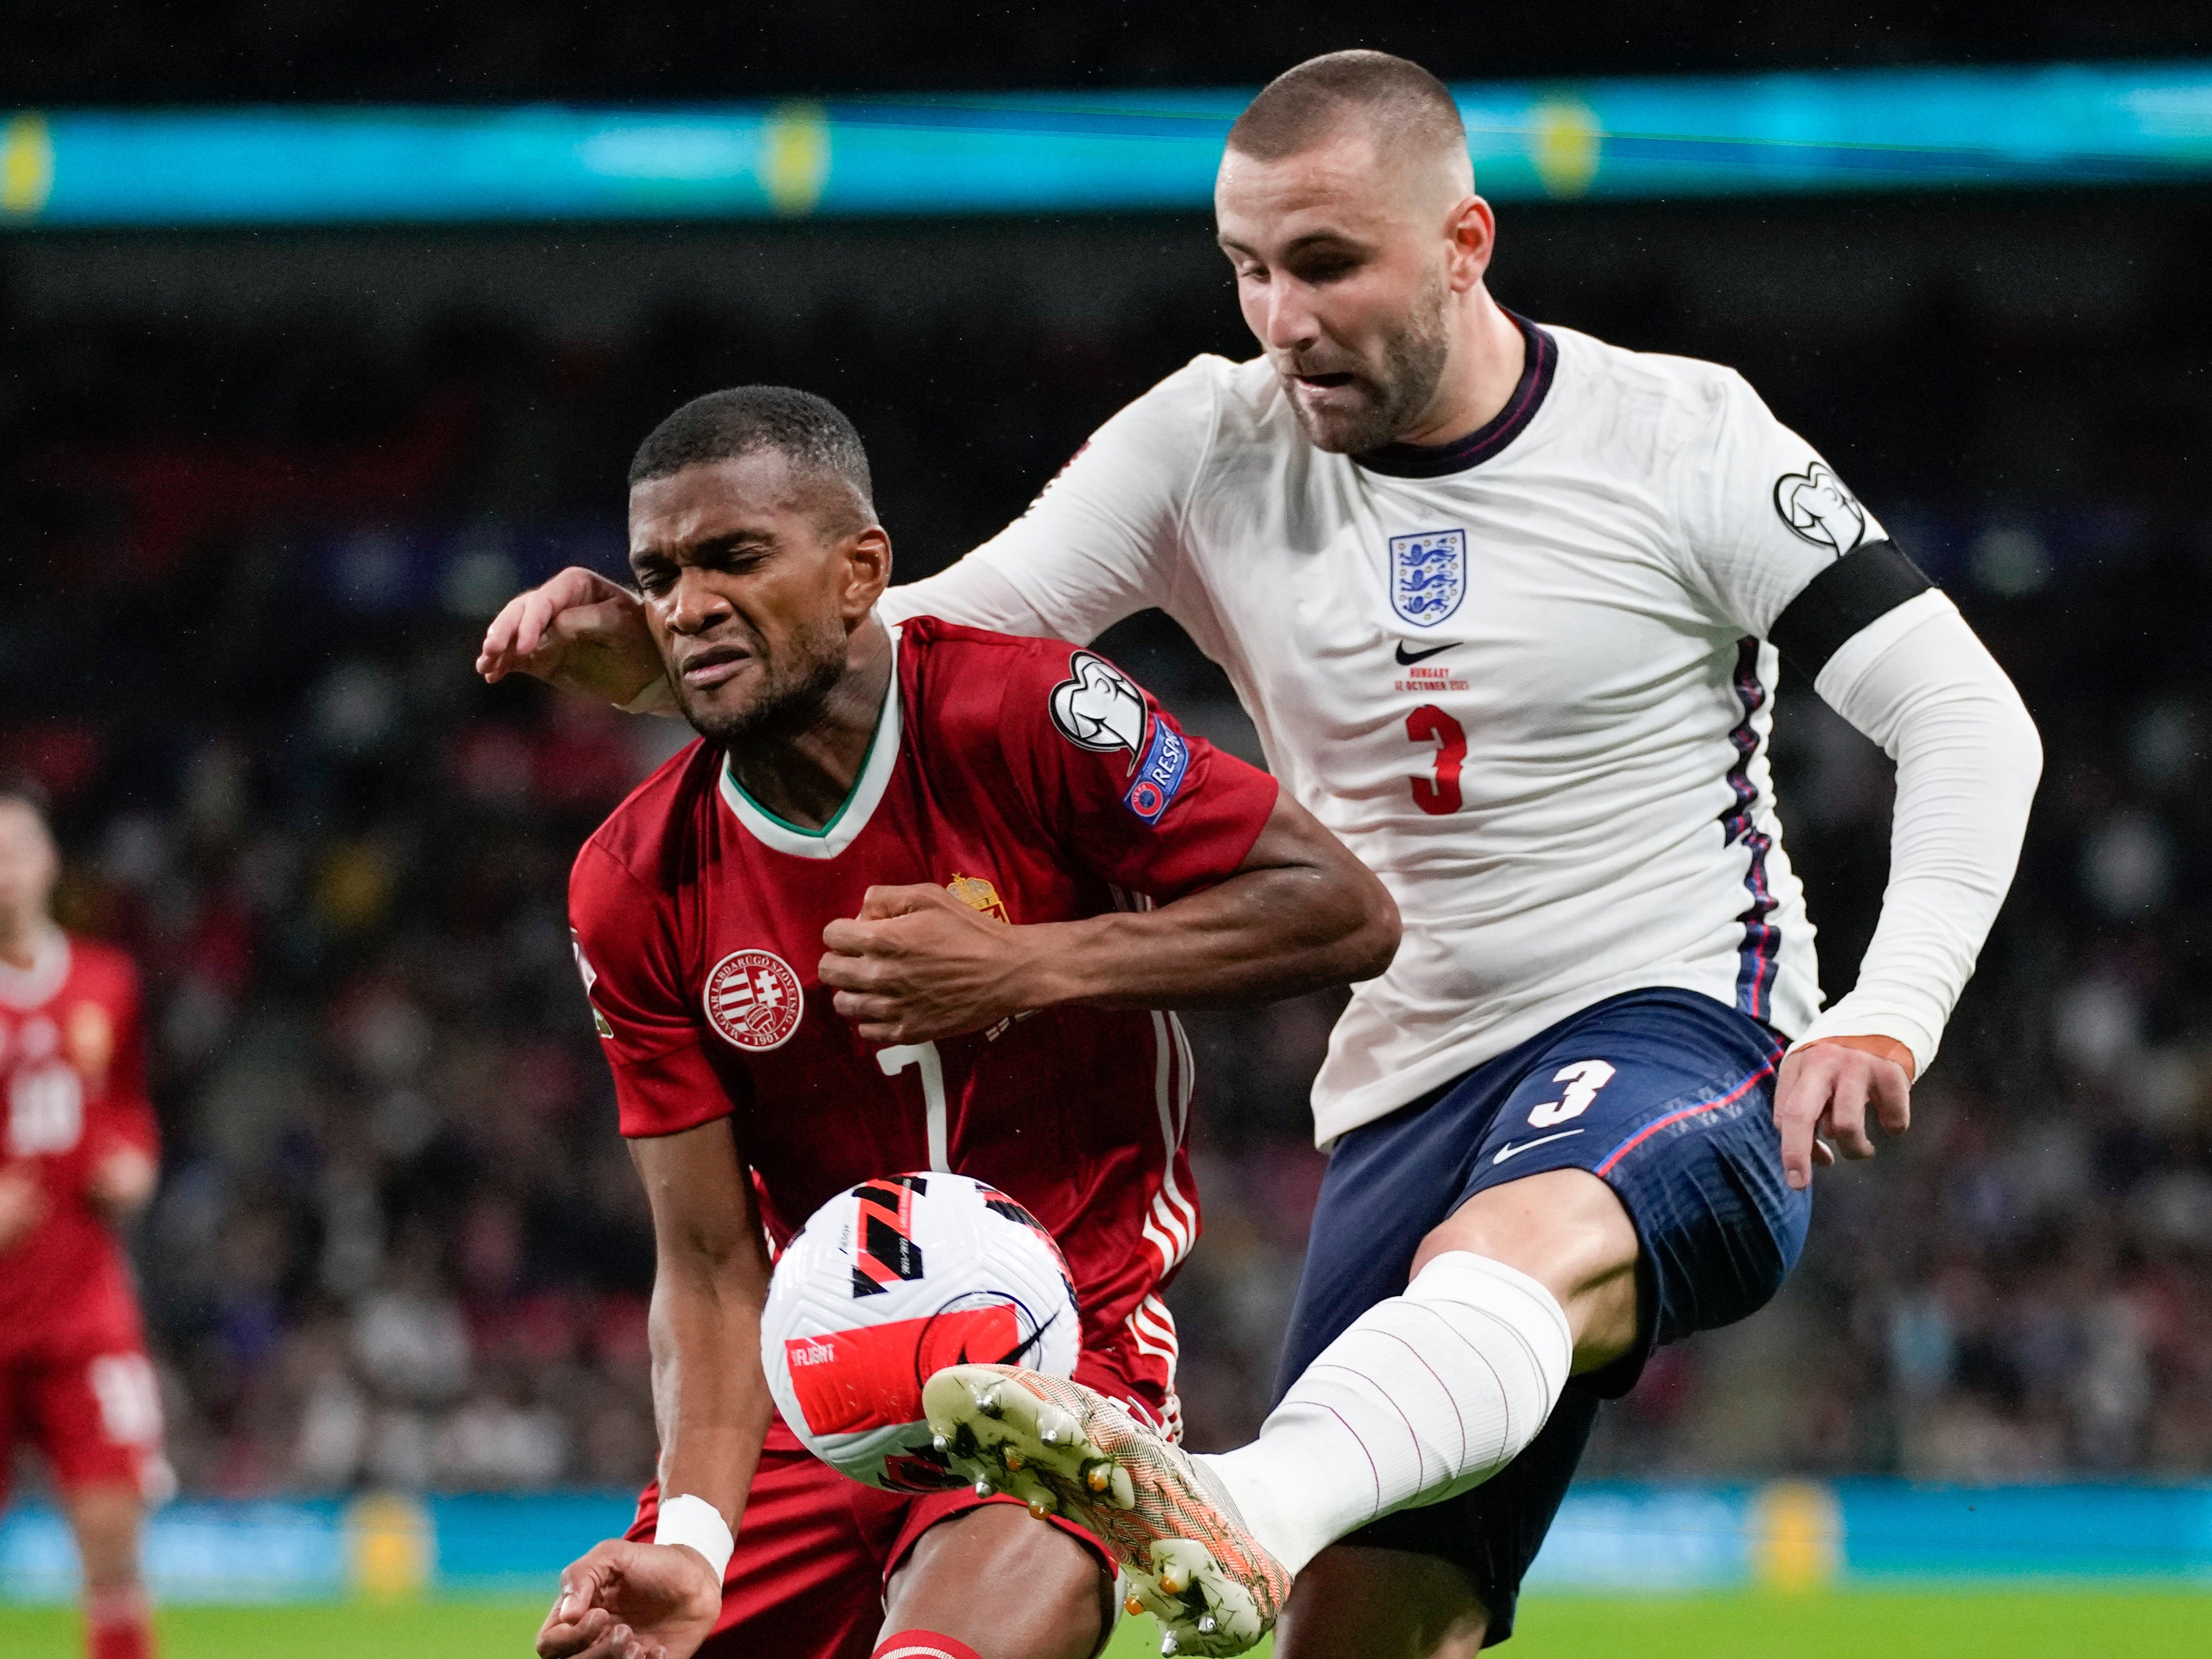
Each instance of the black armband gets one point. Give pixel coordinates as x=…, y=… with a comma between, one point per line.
x=1867, y=582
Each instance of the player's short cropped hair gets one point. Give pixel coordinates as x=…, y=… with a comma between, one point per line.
x=811, y=433
x=1402, y=104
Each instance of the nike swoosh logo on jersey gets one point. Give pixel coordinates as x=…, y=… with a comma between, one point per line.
x=1407, y=658
x=1509, y=1149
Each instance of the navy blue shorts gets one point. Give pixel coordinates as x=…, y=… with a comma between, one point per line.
x=1667, y=1097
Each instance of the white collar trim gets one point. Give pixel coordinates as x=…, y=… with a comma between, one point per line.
x=844, y=828
x=26, y=987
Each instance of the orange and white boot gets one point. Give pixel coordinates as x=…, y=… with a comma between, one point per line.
x=1070, y=1451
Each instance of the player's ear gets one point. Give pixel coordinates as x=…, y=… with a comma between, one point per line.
x=1472, y=229
x=867, y=570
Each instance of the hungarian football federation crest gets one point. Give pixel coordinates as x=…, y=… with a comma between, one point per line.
x=1815, y=504
x=978, y=894
x=1428, y=575
x=754, y=1000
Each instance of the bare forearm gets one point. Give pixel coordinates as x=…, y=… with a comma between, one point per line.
x=1301, y=913
x=710, y=1401
x=1263, y=934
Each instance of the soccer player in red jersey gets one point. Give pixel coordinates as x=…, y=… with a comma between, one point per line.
x=76, y=1157
x=1070, y=862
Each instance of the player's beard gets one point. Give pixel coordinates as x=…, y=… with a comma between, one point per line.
x=793, y=699
x=1413, y=356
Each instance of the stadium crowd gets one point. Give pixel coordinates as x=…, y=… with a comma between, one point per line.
x=242, y=568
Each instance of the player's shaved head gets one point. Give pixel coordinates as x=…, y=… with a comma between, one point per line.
x=1403, y=114
x=812, y=434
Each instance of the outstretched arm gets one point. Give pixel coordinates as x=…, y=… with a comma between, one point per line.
x=710, y=1401
x=1300, y=913
x=1094, y=547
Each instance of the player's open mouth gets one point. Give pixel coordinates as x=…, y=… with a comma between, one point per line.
x=1324, y=382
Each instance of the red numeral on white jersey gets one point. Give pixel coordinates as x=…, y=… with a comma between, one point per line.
x=1429, y=724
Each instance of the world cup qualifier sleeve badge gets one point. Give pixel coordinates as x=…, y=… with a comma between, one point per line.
x=1428, y=575
x=754, y=1000
x=1816, y=505
x=1099, y=709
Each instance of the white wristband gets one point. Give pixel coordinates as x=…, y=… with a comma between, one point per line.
x=694, y=1522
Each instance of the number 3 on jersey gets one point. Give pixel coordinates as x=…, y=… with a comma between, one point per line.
x=1429, y=724
x=925, y=1057
x=1583, y=1079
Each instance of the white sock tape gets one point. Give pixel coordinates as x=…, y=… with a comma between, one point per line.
x=695, y=1522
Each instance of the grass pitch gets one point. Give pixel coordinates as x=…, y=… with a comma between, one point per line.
x=1982, y=1623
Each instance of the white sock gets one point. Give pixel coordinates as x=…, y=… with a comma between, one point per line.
x=1422, y=1397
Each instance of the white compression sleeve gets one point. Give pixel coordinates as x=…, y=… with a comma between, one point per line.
x=970, y=593
x=1423, y=1396
x=1919, y=684
x=1100, y=541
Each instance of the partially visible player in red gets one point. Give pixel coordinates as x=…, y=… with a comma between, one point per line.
x=1070, y=862
x=77, y=1151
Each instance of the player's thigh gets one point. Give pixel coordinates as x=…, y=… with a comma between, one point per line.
x=1446, y=1578
x=1569, y=1231
x=97, y=1419
x=1667, y=1098
x=987, y=1575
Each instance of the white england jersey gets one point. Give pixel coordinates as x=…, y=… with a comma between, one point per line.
x=1521, y=675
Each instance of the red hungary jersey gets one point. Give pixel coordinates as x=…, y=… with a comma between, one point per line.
x=1037, y=782
x=72, y=1090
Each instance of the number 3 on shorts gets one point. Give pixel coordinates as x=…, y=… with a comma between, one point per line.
x=1583, y=1079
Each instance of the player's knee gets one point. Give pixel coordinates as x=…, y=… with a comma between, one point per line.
x=1354, y=1602
x=1563, y=1228
x=1566, y=1230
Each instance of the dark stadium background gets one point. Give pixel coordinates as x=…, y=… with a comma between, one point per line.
x=258, y=492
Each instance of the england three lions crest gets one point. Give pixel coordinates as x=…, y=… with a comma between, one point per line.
x=1428, y=575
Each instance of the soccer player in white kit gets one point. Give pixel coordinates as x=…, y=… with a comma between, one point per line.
x=1507, y=605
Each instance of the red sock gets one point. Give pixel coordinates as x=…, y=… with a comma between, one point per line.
x=924, y=1644
x=117, y=1626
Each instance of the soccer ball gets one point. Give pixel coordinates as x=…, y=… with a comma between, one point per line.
x=887, y=1284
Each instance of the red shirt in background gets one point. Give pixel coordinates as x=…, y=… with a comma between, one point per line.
x=72, y=1091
